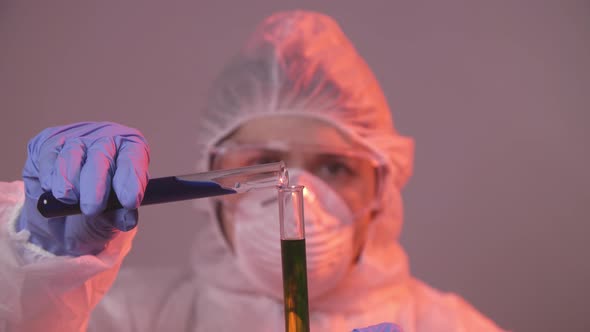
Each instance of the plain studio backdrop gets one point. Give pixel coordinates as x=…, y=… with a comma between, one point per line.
x=496, y=94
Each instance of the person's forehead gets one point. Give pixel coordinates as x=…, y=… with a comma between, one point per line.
x=291, y=129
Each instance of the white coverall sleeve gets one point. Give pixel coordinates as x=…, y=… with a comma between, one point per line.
x=43, y=292
x=147, y=299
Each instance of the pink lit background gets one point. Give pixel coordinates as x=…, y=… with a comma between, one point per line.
x=496, y=94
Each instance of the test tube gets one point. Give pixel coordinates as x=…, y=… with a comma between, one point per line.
x=184, y=187
x=293, y=258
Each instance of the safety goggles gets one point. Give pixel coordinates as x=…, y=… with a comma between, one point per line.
x=356, y=174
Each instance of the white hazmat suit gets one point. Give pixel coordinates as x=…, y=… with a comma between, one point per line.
x=296, y=63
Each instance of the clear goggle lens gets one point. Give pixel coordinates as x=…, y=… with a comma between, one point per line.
x=353, y=173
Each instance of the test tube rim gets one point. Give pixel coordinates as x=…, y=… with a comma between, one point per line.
x=290, y=188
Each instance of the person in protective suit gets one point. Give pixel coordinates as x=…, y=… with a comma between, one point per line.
x=297, y=91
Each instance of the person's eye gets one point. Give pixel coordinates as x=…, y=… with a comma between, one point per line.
x=336, y=169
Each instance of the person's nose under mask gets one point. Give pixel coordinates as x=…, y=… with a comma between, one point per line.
x=329, y=235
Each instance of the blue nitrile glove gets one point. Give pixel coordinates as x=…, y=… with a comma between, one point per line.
x=383, y=327
x=80, y=162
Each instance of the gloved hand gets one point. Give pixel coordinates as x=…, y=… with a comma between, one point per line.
x=80, y=162
x=383, y=327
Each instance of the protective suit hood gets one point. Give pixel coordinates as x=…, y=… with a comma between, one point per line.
x=301, y=64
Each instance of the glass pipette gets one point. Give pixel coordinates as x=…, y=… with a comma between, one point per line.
x=184, y=187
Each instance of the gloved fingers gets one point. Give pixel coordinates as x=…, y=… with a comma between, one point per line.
x=96, y=175
x=85, y=235
x=131, y=176
x=65, y=183
x=121, y=219
x=124, y=219
x=46, y=163
x=105, y=225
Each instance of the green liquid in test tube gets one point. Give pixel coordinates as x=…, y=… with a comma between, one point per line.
x=293, y=258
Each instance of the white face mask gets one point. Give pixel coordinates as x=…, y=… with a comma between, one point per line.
x=329, y=237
